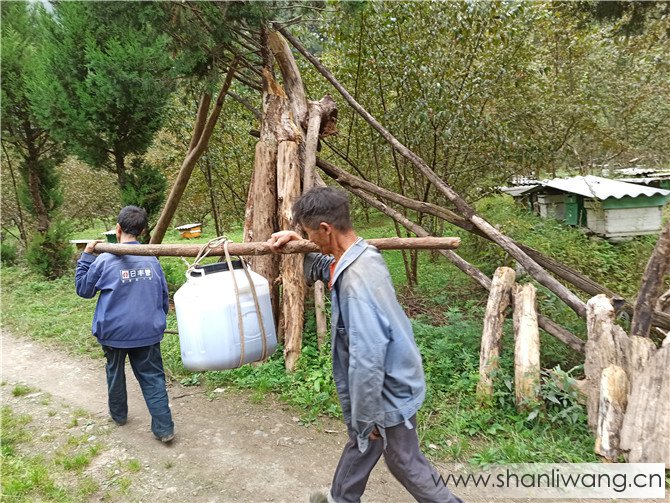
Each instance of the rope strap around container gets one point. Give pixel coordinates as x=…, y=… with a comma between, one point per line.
x=257, y=306
x=204, y=251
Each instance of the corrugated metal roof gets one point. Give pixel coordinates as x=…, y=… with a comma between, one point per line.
x=635, y=171
x=517, y=191
x=185, y=227
x=523, y=180
x=602, y=188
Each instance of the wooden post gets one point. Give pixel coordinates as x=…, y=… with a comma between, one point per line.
x=611, y=409
x=293, y=293
x=201, y=134
x=526, y=347
x=652, y=283
x=310, y=179
x=607, y=345
x=645, y=434
x=499, y=299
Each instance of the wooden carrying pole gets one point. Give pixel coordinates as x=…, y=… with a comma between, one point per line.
x=262, y=248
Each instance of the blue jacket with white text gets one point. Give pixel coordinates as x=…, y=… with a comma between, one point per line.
x=133, y=300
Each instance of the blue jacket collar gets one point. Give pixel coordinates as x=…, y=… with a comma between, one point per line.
x=349, y=256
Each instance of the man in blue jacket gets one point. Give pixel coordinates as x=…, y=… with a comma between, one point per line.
x=377, y=366
x=129, y=320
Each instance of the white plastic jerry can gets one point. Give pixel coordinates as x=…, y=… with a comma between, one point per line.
x=207, y=318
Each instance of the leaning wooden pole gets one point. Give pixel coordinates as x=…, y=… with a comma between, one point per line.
x=199, y=141
x=347, y=180
x=461, y=205
x=546, y=324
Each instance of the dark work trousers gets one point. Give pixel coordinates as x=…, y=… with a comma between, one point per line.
x=404, y=460
x=147, y=365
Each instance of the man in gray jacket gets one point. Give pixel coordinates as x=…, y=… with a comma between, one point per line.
x=376, y=364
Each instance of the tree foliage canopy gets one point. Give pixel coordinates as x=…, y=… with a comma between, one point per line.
x=27, y=140
x=105, y=75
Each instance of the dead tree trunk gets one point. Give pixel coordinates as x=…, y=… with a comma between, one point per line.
x=611, y=409
x=631, y=414
x=499, y=298
x=607, y=345
x=526, y=347
x=652, y=284
x=276, y=127
x=202, y=132
x=293, y=298
x=295, y=90
x=311, y=120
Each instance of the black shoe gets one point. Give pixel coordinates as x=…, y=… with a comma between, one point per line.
x=120, y=422
x=166, y=439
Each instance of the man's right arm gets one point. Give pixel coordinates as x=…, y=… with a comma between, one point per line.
x=87, y=276
x=316, y=267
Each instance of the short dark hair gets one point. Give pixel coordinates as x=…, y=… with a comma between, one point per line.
x=133, y=220
x=323, y=204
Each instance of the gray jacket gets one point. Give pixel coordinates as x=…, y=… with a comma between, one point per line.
x=376, y=364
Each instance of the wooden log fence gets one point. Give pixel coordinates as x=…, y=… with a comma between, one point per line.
x=499, y=300
x=526, y=347
x=627, y=388
x=262, y=248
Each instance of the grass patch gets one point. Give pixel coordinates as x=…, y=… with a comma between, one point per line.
x=21, y=390
x=36, y=478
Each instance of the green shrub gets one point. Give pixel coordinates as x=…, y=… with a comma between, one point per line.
x=50, y=254
x=175, y=273
x=8, y=254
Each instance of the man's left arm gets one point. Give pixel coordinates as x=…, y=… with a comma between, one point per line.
x=164, y=290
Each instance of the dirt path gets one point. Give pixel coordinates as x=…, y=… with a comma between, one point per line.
x=228, y=449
